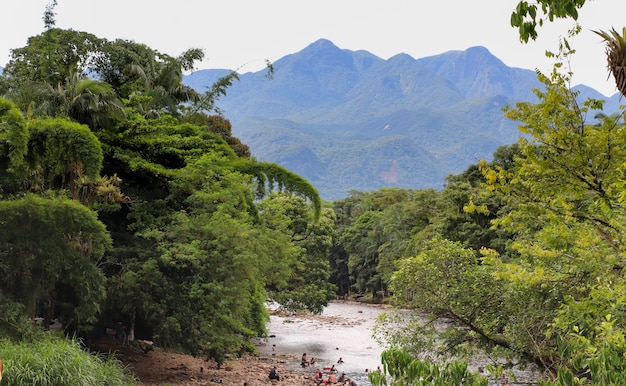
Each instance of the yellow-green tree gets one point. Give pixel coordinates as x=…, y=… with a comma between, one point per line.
x=566, y=194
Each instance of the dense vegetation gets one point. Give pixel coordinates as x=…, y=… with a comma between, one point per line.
x=524, y=255
x=123, y=200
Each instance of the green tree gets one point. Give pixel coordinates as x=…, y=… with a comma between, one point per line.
x=564, y=192
x=466, y=210
x=151, y=81
x=346, y=211
x=400, y=222
x=213, y=261
x=579, y=175
x=193, y=210
x=222, y=126
x=49, y=254
x=446, y=280
x=49, y=14
x=362, y=241
x=52, y=56
x=193, y=256
x=163, y=89
x=307, y=287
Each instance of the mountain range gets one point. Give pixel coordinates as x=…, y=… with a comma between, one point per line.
x=349, y=120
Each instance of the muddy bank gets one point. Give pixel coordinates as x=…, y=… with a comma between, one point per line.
x=159, y=368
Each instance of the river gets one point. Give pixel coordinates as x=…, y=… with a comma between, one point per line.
x=342, y=330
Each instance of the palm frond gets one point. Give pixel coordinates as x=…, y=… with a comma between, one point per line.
x=616, y=56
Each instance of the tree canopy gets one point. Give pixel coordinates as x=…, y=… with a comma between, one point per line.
x=126, y=205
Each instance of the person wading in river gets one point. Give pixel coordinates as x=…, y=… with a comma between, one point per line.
x=305, y=361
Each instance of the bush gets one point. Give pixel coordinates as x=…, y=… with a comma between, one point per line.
x=60, y=362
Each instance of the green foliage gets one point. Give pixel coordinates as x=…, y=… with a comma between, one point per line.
x=361, y=242
x=596, y=361
x=215, y=284
x=214, y=263
x=13, y=139
x=307, y=286
x=271, y=176
x=449, y=281
x=84, y=100
x=49, y=14
x=189, y=254
x=60, y=154
x=569, y=169
x=64, y=149
x=527, y=16
x=52, y=56
x=220, y=125
x=49, y=250
x=564, y=192
x=14, y=322
x=374, y=231
x=56, y=361
x=401, y=369
x=202, y=284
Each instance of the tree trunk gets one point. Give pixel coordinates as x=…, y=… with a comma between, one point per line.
x=131, y=331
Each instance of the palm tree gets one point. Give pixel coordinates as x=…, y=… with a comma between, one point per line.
x=82, y=99
x=163, y=88
x=616, y=56
x=92, y=102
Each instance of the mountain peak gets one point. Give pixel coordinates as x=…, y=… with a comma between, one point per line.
x=480, y=50
x=321, y=46
x=321, y=43
x=402, y=57
x=321, y=54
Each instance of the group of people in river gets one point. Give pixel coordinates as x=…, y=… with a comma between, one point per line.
x=332, y=378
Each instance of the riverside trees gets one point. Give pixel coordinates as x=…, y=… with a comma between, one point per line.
x=544, y=283
x=134, y=210
x=525, y=254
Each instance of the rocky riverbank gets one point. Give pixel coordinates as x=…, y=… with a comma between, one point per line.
x=160, y=368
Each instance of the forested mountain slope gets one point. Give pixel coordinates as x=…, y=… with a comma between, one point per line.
x=349, y=120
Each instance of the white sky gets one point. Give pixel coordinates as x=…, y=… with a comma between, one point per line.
x=237, y=33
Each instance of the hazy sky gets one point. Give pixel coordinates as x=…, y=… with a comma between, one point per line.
x=236, y=33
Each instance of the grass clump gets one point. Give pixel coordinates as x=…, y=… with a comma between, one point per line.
x=60, y=362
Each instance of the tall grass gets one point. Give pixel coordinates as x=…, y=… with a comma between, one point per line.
x=54, y=361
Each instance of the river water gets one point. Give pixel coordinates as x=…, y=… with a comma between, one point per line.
x=343, y=330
